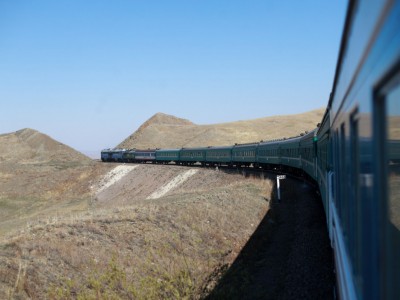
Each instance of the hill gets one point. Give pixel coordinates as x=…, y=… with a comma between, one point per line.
x=40, y=176
x=31, y=146
x=74, y=228
x=164, y=131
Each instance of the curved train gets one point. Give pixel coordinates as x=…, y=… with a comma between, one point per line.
x=295, y=154
x=353, y=155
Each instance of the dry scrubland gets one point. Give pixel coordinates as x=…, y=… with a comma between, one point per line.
x=170, y=247
x=41, y=177
x=67, y=231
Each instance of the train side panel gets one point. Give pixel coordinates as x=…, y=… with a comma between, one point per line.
x=308, y=154
x=144, y=156
x=128, y=156
x=105, y=155
x=268, y=154
x=364, y=119
x=219, y=155
x=190, y=156
x=245, y=154
x=168, y=155
x=324, y=160
x=290, y=154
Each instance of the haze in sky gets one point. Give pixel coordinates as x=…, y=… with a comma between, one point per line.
x=89, y=73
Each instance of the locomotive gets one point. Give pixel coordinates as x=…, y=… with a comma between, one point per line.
x=353, y=155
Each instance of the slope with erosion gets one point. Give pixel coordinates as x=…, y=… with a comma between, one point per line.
x=132, y=245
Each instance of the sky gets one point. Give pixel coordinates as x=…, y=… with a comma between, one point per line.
x=89, y=73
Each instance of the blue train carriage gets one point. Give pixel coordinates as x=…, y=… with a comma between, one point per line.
x=324, y=159
x=128, y=156
x=308, y=155
x=191, y=156
x=245, y=154
x=268, y=154
x=117, y=155
x=166, y=156
x=145, y=156
x=218, y=156
x=106, y=155
x=290, y=154
x=365, y=201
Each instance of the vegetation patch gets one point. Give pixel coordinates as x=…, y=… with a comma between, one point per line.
x=166, y=248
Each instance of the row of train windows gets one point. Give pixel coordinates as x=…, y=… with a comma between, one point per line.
x=290, y=152
x=367, y=176
x=192, y=154
x=306, y=152
x=218, y=154
x=168, y=154
x=145, y=154
x=245, y=153
x=129, y=154
x=268, y=152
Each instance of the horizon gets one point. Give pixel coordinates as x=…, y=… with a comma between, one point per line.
x=89, y=74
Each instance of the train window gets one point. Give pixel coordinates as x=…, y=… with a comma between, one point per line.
x=343, y=182
x=393, y=179
x=387, y=134
x=335, y=183
x=393, y=140
x=356, y=205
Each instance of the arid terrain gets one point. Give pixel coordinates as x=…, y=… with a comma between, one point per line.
x=40, y=177
x=72, y=227
x=164, y=131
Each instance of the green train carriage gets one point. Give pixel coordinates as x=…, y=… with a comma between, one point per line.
x=191, y=156
x=308, y=152
x=217, y=156
x=268, y=154
x=244, y=154
x=166, y=156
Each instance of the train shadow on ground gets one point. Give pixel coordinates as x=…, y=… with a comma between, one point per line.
x=289, y=254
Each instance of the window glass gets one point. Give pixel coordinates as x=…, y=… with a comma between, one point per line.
x=393, y=184
x=393, y=134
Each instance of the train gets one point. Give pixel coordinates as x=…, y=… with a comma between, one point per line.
x=289, y=155
x=353, y=155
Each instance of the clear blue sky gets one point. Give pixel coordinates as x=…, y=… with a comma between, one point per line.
x=88, y=73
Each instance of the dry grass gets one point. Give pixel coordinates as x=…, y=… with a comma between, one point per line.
x=61, y=240
x=163, y=248
x=36, y=192
x=171, y=132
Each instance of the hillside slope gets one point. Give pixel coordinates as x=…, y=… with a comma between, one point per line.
x=163, y=131
x=31, y=146
x=40, y=177
x=131, y=245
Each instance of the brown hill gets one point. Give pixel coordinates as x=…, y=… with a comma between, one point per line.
x=150, y=132
x=31, y=146
x=40, y=177
x=164, y=131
